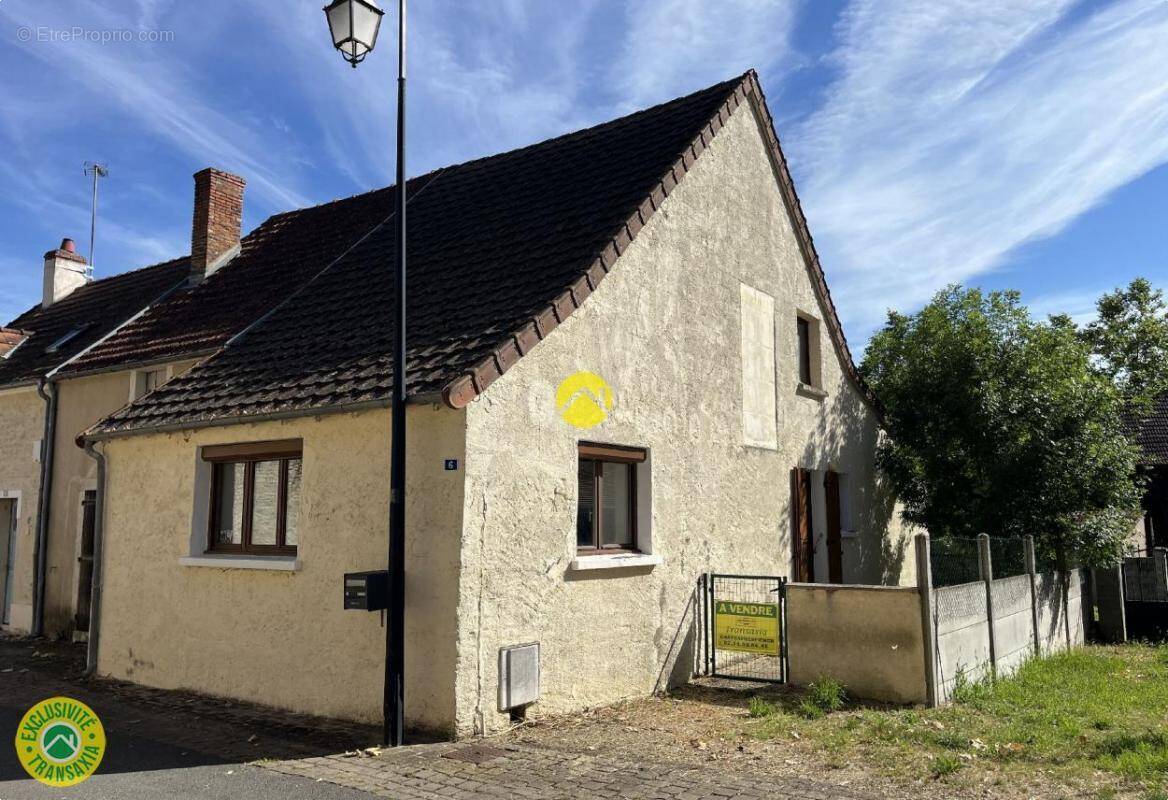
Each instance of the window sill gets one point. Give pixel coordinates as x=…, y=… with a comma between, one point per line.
x=614, y=561
x=232, y=561
x=814, y=392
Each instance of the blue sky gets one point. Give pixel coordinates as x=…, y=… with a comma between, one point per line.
x=990, y=142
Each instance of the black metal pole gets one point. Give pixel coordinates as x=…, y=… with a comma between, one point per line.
x=395, y=631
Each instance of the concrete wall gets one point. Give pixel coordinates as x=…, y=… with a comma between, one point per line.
x=1013, y=622
x=22, y=420
x=963, y=635
x=664, y=331
x=283, y=638
x=963, y=626
x=867, y=637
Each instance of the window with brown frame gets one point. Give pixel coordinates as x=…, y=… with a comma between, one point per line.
x=255, y=497
x=606, y=510
x=803, y=331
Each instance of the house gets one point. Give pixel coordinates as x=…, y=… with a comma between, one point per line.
x=624, y=370
x=39, y=420
x=93, y=346
x=1150, y=431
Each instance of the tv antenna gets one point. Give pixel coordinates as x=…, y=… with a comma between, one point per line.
x=96, y=171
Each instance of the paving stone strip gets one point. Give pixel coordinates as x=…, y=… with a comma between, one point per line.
x=449, y=770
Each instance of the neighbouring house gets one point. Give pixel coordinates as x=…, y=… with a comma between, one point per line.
x=39, y=419
x=94, y=346
x=651, y=280
x=1151, y=434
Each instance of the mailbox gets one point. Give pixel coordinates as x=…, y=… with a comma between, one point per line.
x=367, y=591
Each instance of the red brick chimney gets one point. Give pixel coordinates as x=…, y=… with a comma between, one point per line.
x=217, y=222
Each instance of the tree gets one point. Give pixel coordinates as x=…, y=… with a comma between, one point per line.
x=1130, y=340
x=1000, y=424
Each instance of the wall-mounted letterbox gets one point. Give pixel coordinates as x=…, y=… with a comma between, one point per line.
x=367, y=591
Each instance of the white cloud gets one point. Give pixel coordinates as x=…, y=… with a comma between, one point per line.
x=958, y=131
x=673, y=47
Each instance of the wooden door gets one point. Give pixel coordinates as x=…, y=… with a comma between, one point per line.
x=7, y=548
x=835, y=542
x=802, y=543
x=85, y=561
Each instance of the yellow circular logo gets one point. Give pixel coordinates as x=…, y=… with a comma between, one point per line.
x=60, y=741
x=584, y=400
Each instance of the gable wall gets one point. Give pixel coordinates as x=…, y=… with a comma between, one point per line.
x=663, y=329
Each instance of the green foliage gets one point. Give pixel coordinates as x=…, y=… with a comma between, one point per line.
x=809, y=710
x=761, y=708
x=1088, y=717
x=945, y=765
x=1130, y=340
x=1000, y=424
x=968, y=691
x=827, y=694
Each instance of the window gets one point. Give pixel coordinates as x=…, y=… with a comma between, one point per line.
x=804, y=333
x=147, y=380
x=255, y=497
x=64, y=340
x=606, y=511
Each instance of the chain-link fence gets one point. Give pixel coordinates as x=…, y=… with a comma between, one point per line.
x=955, y=559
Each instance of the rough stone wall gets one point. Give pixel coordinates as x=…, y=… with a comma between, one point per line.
x=22, y=420
x=664, y=330
x=283, y=638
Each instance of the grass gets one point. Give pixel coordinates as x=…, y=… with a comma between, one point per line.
x=1090, y=717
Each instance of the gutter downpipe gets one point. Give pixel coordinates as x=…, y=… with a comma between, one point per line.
x=40, y=544
x=98, y=547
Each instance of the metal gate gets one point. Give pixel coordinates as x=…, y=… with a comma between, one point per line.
x=1145, y=592
x=745, y=633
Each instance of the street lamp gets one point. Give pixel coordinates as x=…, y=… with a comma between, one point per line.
x=353, y=25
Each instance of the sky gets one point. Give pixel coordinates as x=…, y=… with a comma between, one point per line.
x=995, y=143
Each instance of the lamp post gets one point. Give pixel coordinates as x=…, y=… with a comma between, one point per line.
x=354, y=25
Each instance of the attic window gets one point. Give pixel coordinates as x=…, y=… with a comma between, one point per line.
x=68, y=337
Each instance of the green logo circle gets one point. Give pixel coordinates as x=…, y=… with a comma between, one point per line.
x=60, y=742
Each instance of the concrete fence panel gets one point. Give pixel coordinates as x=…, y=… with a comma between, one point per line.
x=1013, y=622
x=1052, y=631
x=1076, y=609
x=869, y=638
x=963, y=636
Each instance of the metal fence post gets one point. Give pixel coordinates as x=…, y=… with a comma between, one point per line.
x=928, y=621
x=985, y=565
x=1032, y=571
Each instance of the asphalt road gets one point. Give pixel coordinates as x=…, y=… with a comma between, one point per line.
x=138, y=766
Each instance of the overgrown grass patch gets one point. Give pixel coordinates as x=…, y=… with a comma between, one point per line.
x=1069, y=715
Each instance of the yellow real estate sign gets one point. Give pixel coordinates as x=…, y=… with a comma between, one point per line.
x=747, y=627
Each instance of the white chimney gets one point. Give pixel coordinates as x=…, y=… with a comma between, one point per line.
x=64, y=272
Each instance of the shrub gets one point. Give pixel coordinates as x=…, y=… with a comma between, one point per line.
x=810, y=710
x=945, y=765
x=827, y=694
x=761, y=708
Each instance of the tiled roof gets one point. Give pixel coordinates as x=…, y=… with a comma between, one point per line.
x=10, y=338
x=501, y=251
x=275, y=259
x=1151, y=432
x=93, y=310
